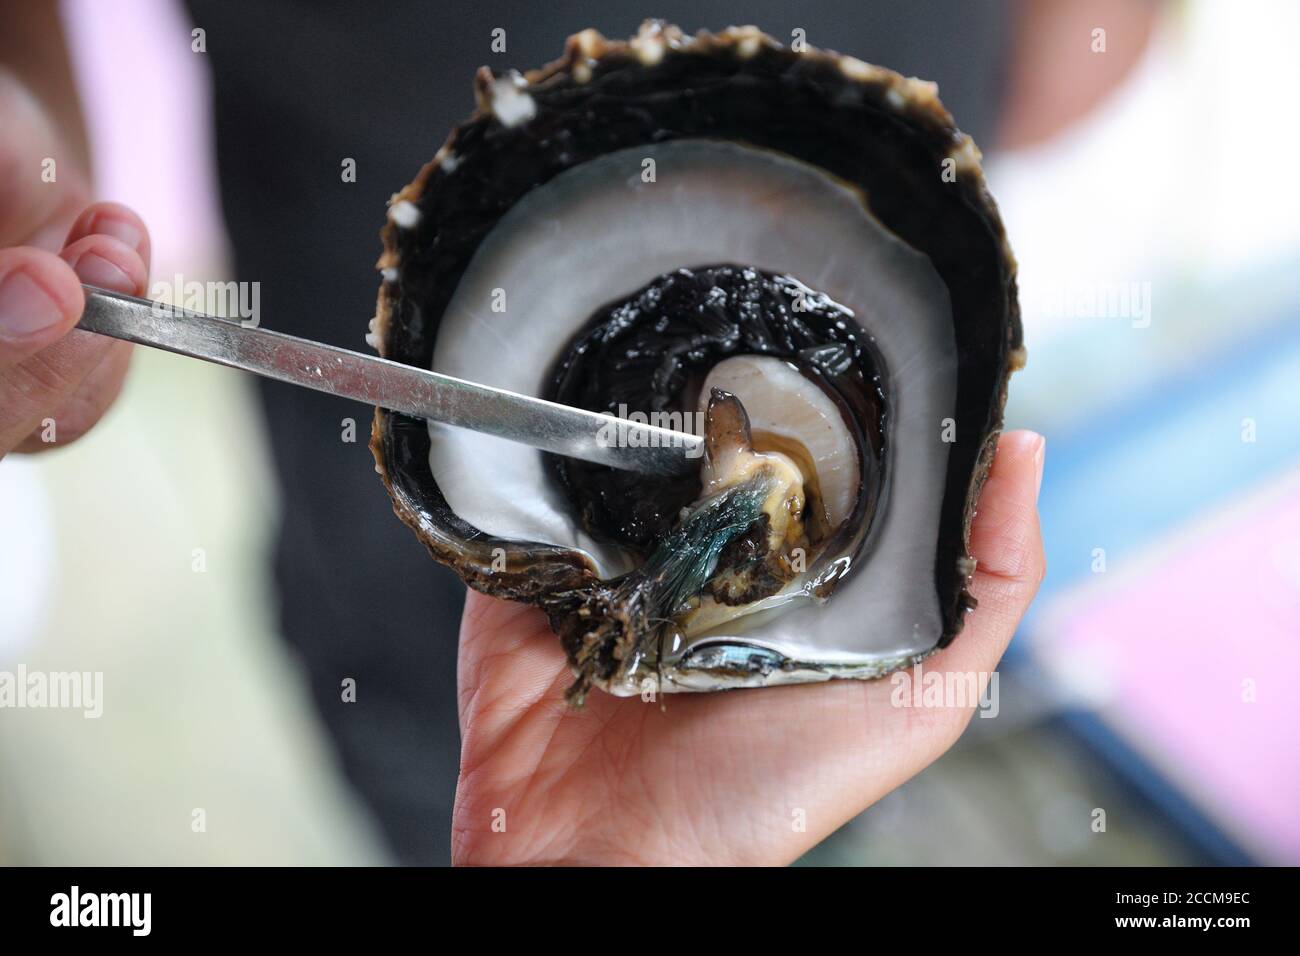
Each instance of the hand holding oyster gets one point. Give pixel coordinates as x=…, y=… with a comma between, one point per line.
x=717, y=779
x=795, y=249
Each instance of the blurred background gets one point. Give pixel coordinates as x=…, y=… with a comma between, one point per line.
x=1144, y=176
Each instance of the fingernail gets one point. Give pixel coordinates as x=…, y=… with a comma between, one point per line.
x=1040, y=456
x=25, y=307
x=94, y=269
x=118, y=229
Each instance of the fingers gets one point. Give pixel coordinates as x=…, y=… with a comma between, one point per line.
x=87, y=404
x=1007, y=545
x=108, y=263
x=116, y=221
x=40, y=301
x=49, y=371
x=1004, y=536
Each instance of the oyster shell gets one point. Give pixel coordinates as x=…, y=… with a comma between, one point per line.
x=797, y=245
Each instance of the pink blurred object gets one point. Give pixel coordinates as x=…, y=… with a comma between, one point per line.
x=1192, y=655
x=146, y=98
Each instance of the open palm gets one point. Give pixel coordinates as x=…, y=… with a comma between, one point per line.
x=744, y=777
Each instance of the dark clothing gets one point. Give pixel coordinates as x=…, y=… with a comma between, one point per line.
x=299, y=87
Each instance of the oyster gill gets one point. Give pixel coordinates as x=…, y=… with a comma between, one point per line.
x=607, y=174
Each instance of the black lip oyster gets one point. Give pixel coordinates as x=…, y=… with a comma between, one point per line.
x=886, y=136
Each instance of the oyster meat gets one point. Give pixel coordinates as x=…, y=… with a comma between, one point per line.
x=790, y=253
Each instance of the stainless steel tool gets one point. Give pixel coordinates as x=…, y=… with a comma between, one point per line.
x=562, y=429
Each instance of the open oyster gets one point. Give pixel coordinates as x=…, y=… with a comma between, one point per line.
x=794, y=251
